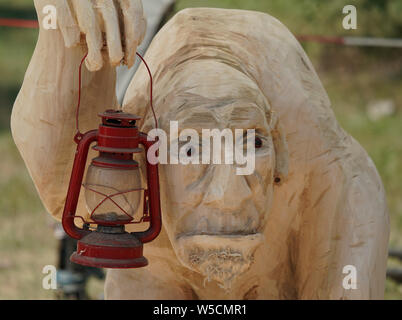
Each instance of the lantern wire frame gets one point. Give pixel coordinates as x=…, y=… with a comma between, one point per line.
x=130, y=220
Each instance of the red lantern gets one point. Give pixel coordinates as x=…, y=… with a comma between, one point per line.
x=112, y=194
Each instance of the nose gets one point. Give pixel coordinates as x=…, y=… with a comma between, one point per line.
x=226, y=190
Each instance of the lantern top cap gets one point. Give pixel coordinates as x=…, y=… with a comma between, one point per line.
x=118, y=118
x=118, y=114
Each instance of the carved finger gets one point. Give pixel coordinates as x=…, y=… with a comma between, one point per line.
x=111, y=24
x=133, y=27
x=87, y=21
x=67, y=24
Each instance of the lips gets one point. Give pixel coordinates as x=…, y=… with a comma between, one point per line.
x=204, y=221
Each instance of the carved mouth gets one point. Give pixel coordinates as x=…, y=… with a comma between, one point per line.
x=217, y=234
x=206, y=222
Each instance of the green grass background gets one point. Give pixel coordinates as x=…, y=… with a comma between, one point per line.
x=353, y=78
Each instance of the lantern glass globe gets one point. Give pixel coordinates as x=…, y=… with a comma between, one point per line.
x=118, y=184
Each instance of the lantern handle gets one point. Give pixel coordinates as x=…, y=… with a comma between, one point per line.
x=153, y=196
x=83, y=143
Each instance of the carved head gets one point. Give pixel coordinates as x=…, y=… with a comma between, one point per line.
x=214, y=218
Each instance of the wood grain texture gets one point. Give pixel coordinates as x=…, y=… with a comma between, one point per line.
x=225, y=236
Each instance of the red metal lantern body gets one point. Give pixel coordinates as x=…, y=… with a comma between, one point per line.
x=110, y=246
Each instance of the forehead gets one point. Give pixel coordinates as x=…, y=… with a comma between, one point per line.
x=231, y=100
x=236, y=114
x=211, y=94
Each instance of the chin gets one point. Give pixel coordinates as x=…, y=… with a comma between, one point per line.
x=220, y=258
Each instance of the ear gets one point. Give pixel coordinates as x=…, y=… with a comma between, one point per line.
x=281, y=150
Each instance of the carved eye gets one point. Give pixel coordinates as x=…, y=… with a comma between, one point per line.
x=258, y=143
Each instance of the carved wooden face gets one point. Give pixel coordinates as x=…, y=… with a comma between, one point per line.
x=207, y=208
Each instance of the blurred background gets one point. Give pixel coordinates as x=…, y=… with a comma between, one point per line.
x=363, y=83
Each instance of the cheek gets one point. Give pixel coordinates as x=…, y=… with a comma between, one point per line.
x=180, y=181
x=261, y=183
x=264, y=170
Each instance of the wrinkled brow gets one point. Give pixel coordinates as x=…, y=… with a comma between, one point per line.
x=232, y=117
x=249, y=117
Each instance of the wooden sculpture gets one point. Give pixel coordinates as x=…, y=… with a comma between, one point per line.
x=314, y=205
